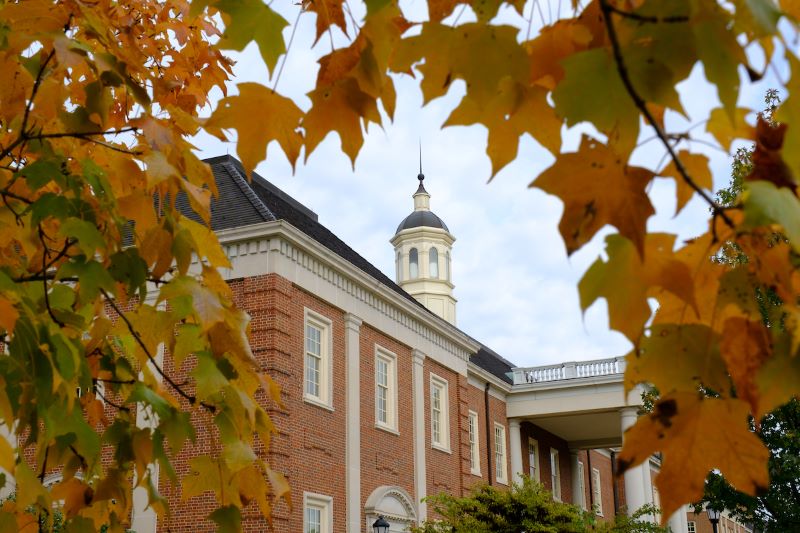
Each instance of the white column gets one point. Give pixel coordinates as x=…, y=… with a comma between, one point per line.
x=515, y=442
x=678, y=522
x=577, y=493
x=352, y=346
x=144, y=518
x=638, y=488
x=420, y=481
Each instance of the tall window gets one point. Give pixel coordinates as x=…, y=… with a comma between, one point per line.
x=555, y=475
x=385, y=389
x=533, y=459
x=440, y=425
x=474, y=453
x=317, y=513
x=433, y=262
x=581, y=487
x=413, y=263
x=500, y=470
x=317, y=362
x=447, y=265
x=691, y=527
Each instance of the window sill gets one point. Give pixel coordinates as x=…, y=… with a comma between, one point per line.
x=317, y=403
x=476, y=473
x=441, y=448
x=502, y=481
x=387, y=429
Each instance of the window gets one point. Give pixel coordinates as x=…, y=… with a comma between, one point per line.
x=533, y=459
x=317, y=513
x=555, y=475
x=385, y=389
x=440, y=417
x=474, y=448
x=317, y=359
x=447, y=265
x=691, y=527
x=433, y=262
x=581, y=487
x=597, y=492
x=413, y=264
x=399, y=267
x=500, y=470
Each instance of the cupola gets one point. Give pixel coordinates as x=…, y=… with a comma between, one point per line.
x=422, y=247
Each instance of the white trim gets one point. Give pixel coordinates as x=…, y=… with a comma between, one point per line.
x=478, y=377
x=537, y=472
x=441, y=384
x=418, y=402
x=474, y=443
x=500, y=454
x=352, y=326
x=597, y=492
x=582, y=486
x=555, y=474
x=325, y=326
x=324, y=504
x=390, y=358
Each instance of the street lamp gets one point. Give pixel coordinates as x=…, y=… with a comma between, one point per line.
x=380, y=525
x=713, y=517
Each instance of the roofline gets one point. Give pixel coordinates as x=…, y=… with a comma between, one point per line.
x=282, y=228
x=485, y=375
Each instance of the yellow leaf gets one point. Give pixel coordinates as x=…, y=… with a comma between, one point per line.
x=609, y=192
x=726, y=129
x=8, y=314
x=696, y=166
x=515, y=109
x=626, y=281
x=74, y=493
x=679, y=428
x=259, y=116
x=745, y=346
x=552, y=45
x=329, y=13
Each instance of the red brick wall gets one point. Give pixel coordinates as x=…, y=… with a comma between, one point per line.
x=387, y=458
x=547, y=441
x=594, y=459
x=443, y=470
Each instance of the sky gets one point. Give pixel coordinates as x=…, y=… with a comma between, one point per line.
x=516, y=288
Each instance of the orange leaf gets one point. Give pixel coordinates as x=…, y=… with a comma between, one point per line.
x=259, y=116
x=696, y=166
x=609, y=192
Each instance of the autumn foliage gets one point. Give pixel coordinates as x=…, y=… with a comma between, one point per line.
x=99, y=100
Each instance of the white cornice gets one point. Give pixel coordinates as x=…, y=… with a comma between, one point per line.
x=483, y=376
x=279, y=238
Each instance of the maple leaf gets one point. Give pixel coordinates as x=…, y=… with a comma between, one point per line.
x=696, y=166
x=610, y=192
x=259, y=116
x=507, y=117
x=628, y=278
x=726, y=128
x=678, y=428
x=329, y=13
x=253, y=20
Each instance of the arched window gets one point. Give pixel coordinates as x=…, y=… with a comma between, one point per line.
x=399, y=268
x=447, y=265
x=433, y=262
x=413, y=264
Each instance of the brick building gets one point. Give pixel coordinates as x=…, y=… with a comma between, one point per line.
x=387, y=401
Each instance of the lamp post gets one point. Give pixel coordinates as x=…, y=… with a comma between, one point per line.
x=713, y=517
x=380, y=525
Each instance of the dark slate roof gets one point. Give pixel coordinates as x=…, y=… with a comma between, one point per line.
x=241, y=203
x=422, y=218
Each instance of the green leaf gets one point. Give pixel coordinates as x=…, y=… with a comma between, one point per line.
x=766, y=204
x=89, y=237
x=253, y=20
x=41, y=172
x=92, y=277
x=209, y=379
x=228, y=518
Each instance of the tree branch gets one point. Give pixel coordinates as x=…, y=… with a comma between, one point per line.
x=109, y=402
x=648, y=19
x=642, y=106
x=188, y=397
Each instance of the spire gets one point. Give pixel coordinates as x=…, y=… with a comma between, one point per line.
x=420, y=176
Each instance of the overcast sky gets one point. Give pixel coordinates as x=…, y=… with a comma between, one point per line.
x=515, y=285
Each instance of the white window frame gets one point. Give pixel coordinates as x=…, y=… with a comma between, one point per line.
x=582, y=486
x=474, y=444
x=691, y=527
x=500, y=455
x=390, y=358
x=440, y=384
x=324, y=324
x=597, y=492
x=322, y=503
x=555, y=474
x=533, y=469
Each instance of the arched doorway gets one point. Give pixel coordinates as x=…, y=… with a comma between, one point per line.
x=394, y=504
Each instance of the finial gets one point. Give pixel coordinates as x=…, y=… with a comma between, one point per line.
x=420, y=176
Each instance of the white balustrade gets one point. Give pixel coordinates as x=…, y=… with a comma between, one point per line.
x=569, y=370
